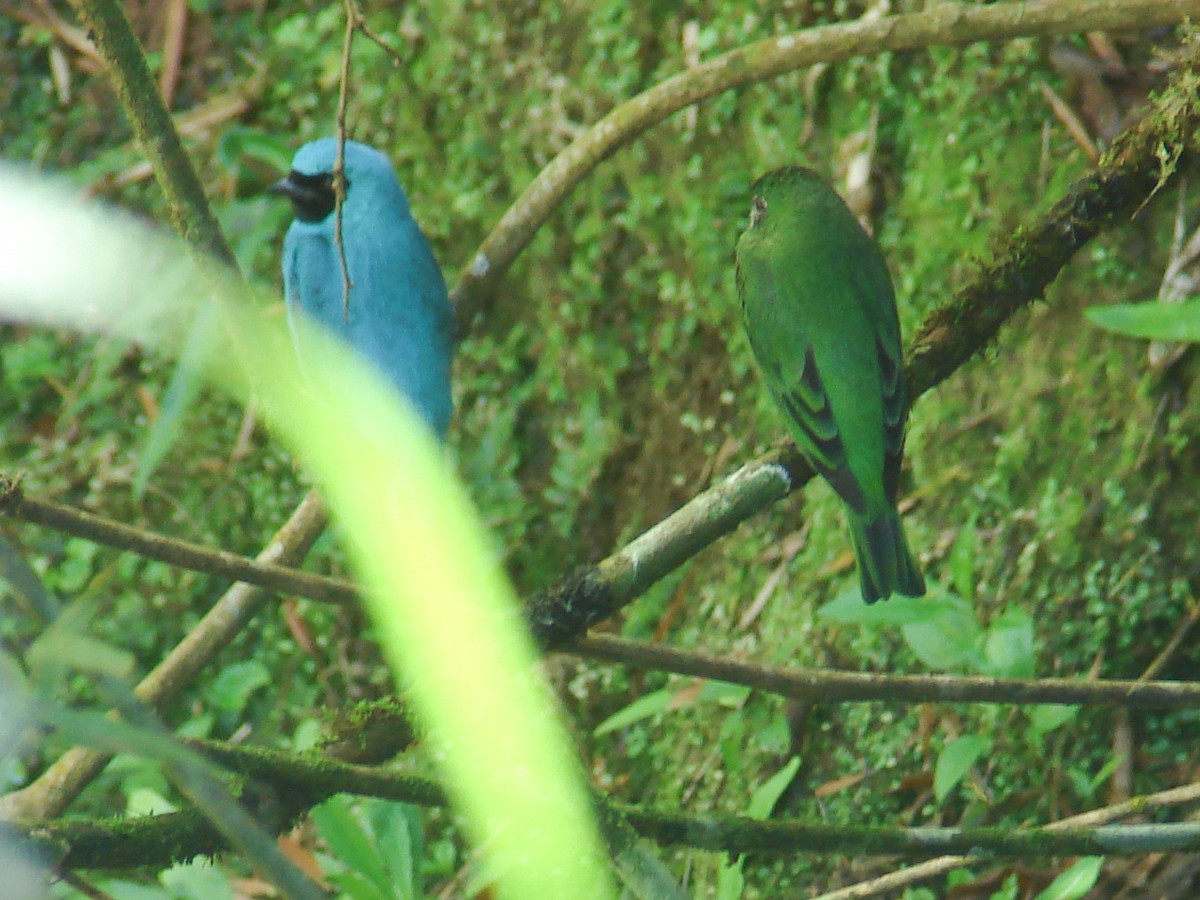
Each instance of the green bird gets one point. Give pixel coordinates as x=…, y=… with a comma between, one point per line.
x=820, y=313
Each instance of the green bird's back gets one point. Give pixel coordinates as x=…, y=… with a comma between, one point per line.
x=820, y=313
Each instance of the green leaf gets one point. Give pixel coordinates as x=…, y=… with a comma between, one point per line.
x=233, y=687
x=848, y=608
x=1153, y=320
x=145, y=801
x=349, y=842
x=1008, y=647
x=1076, y=881
x=731, y=882
x=399, y=835
x=1049, y=716
x=961, y=561
x=767, y=794
x=949, y=639
x=642, y=708
x=955, y=761
x=1010, y=890
x=129, y=890
x=355, y=886
x=723, y=693
x=1105, y=773
x=197, y=880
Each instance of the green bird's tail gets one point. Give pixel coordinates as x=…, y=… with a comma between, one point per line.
x=885, y=564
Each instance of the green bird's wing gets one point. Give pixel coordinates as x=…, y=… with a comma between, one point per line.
x=784, y=349
x=873, y=288
x=829, y=350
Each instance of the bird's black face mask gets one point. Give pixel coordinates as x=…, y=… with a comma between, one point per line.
x=312, y=196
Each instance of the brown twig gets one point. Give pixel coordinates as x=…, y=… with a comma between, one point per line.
x=828, y=686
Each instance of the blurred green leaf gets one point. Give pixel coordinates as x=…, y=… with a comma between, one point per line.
x=947, y=640
x=350, y=843
x=233, y=686
x=1008, y=645
x=848, y=608
x=399, y=835
x=962, y=561
x=642, y=708
x=1047, y=717
x=1153, y=320
x=1075, y=882
x=767, y=794
x=197, y=880
x=955, y=761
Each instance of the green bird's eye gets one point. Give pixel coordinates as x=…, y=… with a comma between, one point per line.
x=758, y=210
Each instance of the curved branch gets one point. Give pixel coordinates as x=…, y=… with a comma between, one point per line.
x=947, y=23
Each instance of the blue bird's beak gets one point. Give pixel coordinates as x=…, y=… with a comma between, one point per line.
x=284, y=187
x=312, y=196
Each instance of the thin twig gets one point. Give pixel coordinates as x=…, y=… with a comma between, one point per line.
x=173, y=551
x=826, y=686
x=339, y=163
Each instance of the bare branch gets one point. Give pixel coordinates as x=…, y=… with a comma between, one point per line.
x=826, y=686
x=16, y=503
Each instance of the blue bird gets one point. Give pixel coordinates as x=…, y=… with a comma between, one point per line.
x=399, y=316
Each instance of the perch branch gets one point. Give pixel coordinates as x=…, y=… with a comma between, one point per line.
x=810, y=684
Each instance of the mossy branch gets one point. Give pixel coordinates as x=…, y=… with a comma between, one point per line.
x=282, y=785
x=187, y=204
x=945, y=23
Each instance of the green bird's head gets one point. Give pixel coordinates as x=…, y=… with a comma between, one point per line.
x=785, y=194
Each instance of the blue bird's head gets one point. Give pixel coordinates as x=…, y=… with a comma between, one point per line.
x=379, y=287
x=309, y=185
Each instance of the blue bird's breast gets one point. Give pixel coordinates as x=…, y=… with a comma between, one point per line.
x=399, y=316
